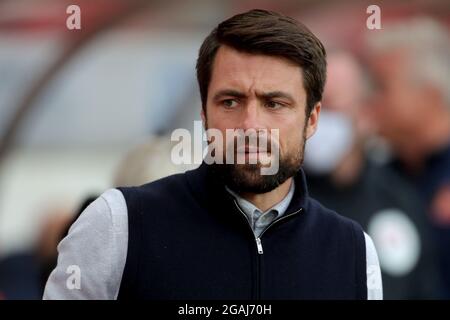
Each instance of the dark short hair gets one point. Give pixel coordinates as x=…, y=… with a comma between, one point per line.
x=268, y=33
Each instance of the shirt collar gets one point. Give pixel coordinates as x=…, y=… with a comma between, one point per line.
x=208, y=189
x=249, y=208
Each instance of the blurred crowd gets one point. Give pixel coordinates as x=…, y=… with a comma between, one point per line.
x=381, y=155
x=382, y=152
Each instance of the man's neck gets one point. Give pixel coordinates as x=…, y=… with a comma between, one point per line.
x=265, y=201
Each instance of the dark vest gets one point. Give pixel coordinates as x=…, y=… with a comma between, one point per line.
x=188, y=239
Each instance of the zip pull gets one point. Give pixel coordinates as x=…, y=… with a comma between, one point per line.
x=259, y=245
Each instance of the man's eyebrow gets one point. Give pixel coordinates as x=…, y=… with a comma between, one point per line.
x=229, y=93
x=275, y=94
x=261, y=95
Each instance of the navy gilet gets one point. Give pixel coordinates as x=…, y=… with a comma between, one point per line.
x=188, y=239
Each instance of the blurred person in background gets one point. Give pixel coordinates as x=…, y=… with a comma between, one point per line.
x=343, y=175
x=411, y=68
x=23, y=273
x=148, y=161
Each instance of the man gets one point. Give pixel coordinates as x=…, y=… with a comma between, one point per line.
x=227, y=231
x=411, y=68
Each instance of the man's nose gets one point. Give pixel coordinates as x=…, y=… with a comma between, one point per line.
x=251, y=116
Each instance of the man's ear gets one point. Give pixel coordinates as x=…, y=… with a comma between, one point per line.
x=313, y=120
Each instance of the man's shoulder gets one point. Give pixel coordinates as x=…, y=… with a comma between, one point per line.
x=166, y=189
x=168, y=184
x=329, y=218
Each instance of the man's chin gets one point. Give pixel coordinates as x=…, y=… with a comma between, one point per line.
x=247, y=178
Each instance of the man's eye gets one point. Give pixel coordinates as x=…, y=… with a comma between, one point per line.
x=229, y=103
x=274, y=105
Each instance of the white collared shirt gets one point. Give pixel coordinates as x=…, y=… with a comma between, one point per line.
x=259, y=220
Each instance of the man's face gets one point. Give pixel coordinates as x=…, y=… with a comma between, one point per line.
x=259, y=92
x=400, y=104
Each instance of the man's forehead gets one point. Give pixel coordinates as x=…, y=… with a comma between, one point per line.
x=245, y=71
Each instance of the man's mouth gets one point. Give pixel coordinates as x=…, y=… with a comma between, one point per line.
x=252, y=150
x=252, y=155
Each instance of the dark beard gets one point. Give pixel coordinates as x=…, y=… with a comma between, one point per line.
x=247, y=178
